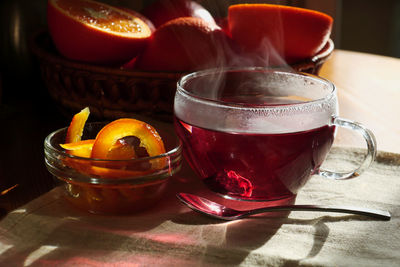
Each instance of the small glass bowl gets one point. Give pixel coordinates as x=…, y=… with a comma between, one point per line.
x=111, y=186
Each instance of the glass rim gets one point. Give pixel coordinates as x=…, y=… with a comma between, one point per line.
x=192, y=75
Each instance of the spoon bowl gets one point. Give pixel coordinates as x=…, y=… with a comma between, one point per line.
x=222, y=212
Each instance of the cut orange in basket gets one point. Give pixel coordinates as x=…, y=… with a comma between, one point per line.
x=162, y=11
x=294, y=33
x=184, y=44
x=95, y=32
x=140, y=16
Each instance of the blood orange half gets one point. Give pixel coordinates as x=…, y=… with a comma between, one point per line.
x=294, y=33
x=90, y=31
x=184, y=44
x=162, y=11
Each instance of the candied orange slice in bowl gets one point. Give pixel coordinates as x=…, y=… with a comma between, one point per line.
x=119, y=129
x=124, y=177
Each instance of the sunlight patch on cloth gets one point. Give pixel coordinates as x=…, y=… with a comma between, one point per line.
x=37, y=254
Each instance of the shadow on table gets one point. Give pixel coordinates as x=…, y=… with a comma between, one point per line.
x=242, y=237
x=77, y=234
x=231, y=242
x=169, y=229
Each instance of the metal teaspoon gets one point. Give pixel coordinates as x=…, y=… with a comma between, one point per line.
x=219, y=211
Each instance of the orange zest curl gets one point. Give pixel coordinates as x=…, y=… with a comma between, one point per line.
x=75, y=129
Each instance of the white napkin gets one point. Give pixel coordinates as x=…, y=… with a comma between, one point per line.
x=49, y=232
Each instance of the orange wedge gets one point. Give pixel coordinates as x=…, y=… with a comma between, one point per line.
x=90, y=31
x=294, y=33
x=184, y=44
x=162, y=11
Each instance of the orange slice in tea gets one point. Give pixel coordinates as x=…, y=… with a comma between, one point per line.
x=91, y=31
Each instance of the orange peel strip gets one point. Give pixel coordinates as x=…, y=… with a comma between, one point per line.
x=75, y=129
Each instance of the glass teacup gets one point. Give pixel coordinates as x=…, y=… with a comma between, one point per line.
x=260, y=134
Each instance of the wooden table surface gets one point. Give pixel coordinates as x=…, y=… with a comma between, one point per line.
x=368, y=89
x=369, y=92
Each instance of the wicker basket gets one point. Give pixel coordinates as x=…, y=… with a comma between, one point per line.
x=114, y=92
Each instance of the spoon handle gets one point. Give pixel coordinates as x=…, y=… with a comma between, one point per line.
x=378, y=214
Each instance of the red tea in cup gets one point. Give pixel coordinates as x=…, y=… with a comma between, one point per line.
x=259, y=134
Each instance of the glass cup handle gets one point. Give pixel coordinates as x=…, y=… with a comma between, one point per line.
x=369, y=158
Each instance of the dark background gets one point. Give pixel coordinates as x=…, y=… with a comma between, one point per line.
x=360, y=25
x=27, y=114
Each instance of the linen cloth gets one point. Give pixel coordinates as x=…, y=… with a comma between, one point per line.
x=49, y=232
